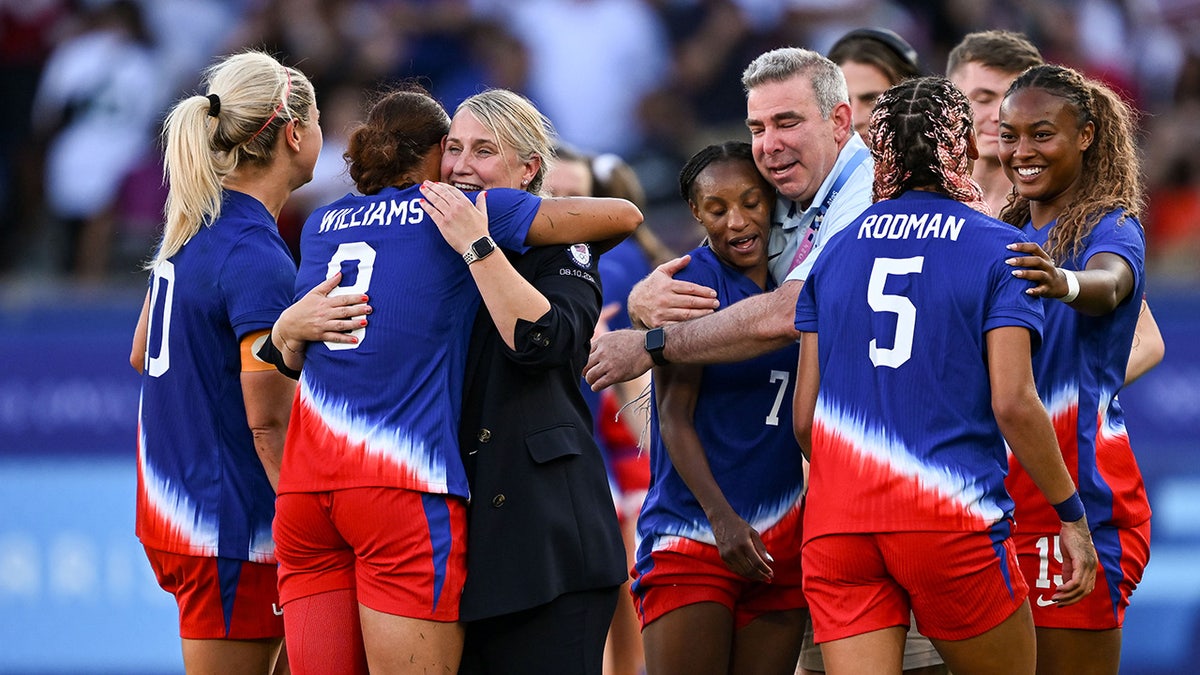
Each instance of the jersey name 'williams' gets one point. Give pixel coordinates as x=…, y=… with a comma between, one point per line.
x=387, y=212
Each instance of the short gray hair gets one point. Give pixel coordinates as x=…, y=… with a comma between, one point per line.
x=777, y=65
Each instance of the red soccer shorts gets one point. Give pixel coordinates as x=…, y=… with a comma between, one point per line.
x=688, y=572
x=220, y=598
x=403, y=552
x=1123, y=554
x=957, y=584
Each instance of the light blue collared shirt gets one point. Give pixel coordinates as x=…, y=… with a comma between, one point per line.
x=847, y=205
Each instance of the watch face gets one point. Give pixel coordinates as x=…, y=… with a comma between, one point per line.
x=482, y=247
x=655, y=340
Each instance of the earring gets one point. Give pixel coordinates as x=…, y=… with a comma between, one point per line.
x=524, y=183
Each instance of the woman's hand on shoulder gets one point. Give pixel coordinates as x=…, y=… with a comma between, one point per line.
x=1035, y=266
x=460, y=222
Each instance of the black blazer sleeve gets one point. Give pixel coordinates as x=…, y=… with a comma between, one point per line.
x=567, y=277
x=541, y=520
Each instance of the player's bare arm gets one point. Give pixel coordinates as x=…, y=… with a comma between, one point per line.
x=268, y=398
x=322, y=315
x=1104, y=283
x=1026, y=426
x=808, y=384
x=740, y=545
x=137, y=352
x=1148, y=348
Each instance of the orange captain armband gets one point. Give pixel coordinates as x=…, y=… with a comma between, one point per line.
x=249, y=348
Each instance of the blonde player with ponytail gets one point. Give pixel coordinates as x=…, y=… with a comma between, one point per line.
x=212, y=417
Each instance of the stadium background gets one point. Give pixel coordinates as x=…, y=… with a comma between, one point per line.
x=652, y=80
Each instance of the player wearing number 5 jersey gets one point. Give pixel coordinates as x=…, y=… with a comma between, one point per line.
x=211, y=419
x=371, y=513
x=914, y=371
x=717, y=574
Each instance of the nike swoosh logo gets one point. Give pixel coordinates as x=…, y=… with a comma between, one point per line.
x=1043, y=602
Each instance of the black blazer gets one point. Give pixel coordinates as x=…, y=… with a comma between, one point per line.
x=541, y=520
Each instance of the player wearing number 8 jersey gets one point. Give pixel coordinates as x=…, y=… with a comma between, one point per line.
x=371, y=515
x=914, y=371
x=211, y=418
x=401, y=430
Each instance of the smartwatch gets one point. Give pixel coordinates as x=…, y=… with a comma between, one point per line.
x=656, y=340
x=480, y=249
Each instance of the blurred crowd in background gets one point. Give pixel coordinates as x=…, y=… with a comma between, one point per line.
x=86, y=83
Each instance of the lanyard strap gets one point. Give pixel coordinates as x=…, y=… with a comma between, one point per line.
x=810, y=235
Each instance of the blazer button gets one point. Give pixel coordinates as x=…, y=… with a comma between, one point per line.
x=484, y=436
x=498, y=501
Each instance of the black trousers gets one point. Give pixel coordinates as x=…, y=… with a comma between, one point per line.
x=563, y=637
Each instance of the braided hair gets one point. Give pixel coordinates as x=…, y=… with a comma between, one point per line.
x=719, y=152
x=919, y=134
x=1111, y=174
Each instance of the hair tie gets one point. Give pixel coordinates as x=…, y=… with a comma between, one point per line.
x=214, y=105
x=287, y=92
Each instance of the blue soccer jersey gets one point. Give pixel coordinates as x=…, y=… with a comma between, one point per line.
x=202, y=489
x=743, y=418
x=1078, y=374
x=904, y=438
x=384, y=412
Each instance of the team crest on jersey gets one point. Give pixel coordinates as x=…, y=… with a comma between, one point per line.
x=581, y=254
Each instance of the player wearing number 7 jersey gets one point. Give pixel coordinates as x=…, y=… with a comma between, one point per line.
x=915, y=368
x=717, y=573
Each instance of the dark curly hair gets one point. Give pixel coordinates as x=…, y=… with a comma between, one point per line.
x=403, y=126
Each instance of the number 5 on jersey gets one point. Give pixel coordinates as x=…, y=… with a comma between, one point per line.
x=902, y=307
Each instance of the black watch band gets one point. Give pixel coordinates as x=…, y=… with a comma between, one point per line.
x=656, y=341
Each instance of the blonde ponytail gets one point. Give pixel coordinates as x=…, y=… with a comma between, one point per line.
x=252, y=96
